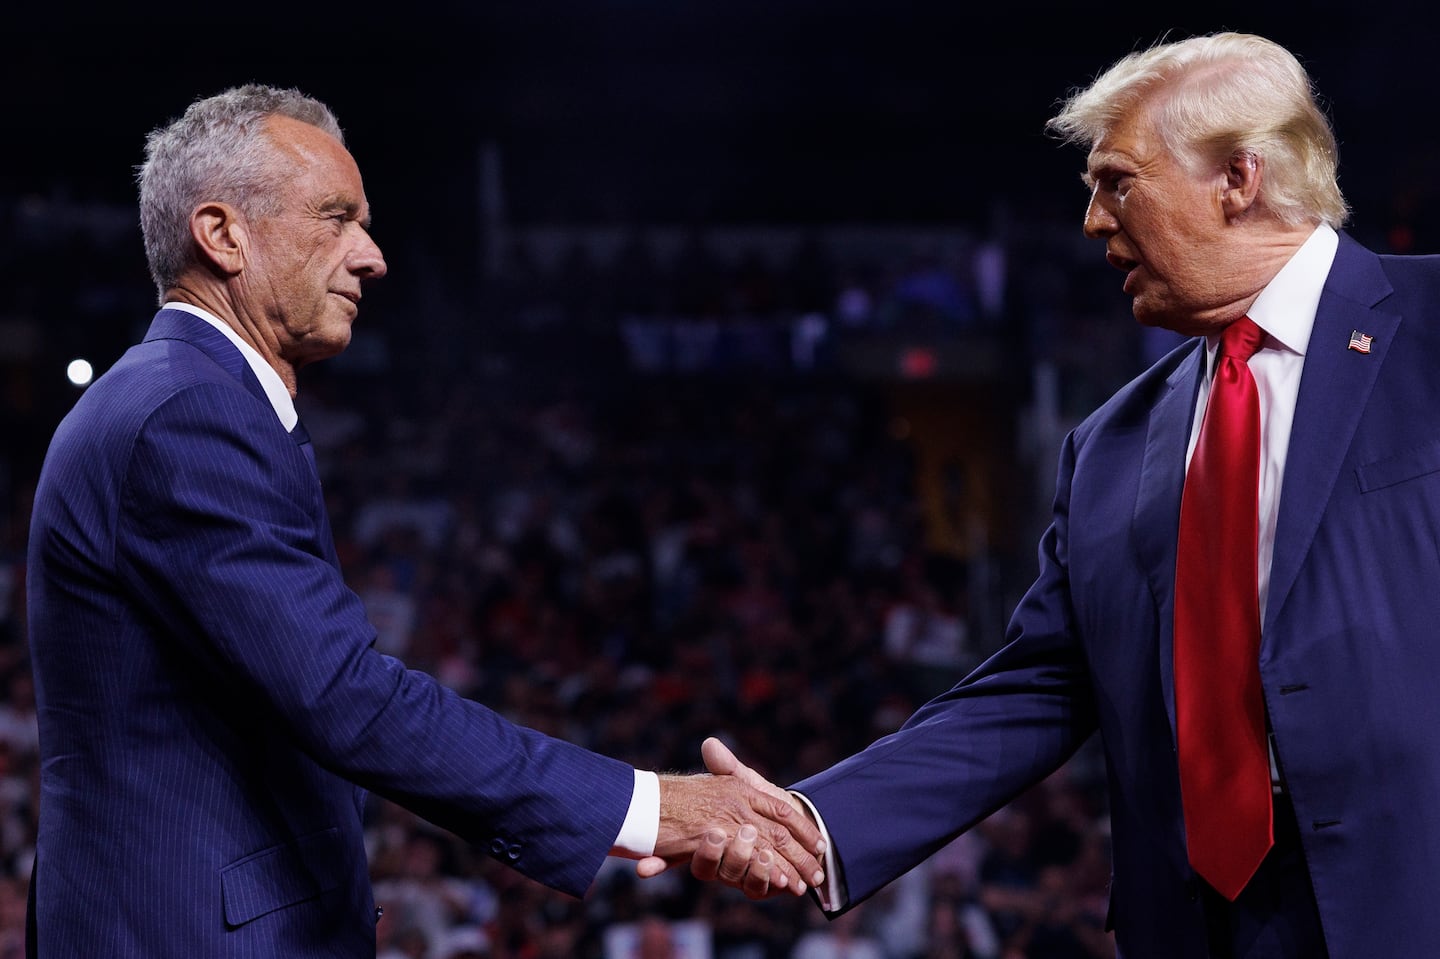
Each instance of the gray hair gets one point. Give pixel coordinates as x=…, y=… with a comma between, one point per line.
x=1218, y=95
x=216, y=151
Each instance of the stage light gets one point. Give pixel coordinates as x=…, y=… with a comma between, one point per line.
x=80, y=372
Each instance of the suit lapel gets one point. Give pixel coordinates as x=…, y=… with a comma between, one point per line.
x=1334, y=389
x=188, y=328
x=1157, y=505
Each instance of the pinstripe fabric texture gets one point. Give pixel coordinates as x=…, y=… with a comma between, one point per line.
x=1349, y=654
x=212, y=710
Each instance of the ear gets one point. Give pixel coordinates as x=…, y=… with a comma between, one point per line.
x=219, y=234
x=1243, y=173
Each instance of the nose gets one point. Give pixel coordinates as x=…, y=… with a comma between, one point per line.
x=367, y=261
x=1100, y=223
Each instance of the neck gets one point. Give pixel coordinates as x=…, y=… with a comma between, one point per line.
x=244, y=325
x=1266, y=254
x=1242, y=274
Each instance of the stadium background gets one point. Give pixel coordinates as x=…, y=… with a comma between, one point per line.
x=715, y=386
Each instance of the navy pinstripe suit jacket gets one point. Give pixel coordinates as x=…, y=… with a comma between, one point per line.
x=212, y=711
x=1349, y=656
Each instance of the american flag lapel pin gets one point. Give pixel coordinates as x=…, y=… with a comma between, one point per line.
x=1360, y=342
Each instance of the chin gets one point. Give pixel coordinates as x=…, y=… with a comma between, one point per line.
x=326, y=348
x=1147, y=317
x=1150, y=315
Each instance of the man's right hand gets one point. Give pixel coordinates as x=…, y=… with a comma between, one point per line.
x=734, y=826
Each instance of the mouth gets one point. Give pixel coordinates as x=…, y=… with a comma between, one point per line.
x=1123, y=264
x=353, y=297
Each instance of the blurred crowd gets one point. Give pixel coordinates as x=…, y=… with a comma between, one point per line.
x=559, y=518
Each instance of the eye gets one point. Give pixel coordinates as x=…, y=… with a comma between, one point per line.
x=1110, y=182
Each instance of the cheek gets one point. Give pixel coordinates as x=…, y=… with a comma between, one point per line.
x=1169, y=248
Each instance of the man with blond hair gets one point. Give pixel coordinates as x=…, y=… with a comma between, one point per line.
x=1238, y=586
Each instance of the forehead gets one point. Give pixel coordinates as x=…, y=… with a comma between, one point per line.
x=1130, y=141
x=317, y=160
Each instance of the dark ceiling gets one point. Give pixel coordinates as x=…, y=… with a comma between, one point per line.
x=640, y=110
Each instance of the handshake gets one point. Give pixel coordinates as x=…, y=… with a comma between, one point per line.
x=734, y=826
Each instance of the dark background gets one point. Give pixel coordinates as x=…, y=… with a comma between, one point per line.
x=741, y=111
x=910, y=474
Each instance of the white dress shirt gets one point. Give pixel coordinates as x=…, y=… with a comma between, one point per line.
x=270, y=381
x=641, y=828
x=1285, y=310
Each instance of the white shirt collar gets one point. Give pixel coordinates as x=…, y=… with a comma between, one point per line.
x=270, y=381
x=1286, y=307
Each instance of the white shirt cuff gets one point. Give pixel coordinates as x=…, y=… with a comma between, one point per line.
x=832, y=894
x=641, y=828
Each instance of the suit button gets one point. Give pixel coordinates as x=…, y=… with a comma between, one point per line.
x=513, y=852
x=497, y=847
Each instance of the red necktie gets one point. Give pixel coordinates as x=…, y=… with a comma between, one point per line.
x=1219, y=705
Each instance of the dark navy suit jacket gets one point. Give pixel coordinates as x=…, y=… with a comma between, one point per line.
x=1350, y=656
x=211, y=709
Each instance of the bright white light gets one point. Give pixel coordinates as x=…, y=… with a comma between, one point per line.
x=80, y=372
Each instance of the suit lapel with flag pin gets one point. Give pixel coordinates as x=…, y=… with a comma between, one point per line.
x=1360, y=342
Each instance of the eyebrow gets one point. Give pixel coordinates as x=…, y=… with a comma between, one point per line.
x=1100, y=165
x=349, y=207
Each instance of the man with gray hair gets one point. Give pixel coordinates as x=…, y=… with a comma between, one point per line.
x=212, y=709
x=1240, y=584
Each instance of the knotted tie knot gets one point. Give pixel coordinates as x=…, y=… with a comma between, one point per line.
x=1241, y=339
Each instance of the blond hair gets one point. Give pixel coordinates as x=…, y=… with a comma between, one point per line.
x=1212, y=97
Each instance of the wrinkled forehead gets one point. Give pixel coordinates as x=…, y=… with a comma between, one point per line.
x=1132, y=137
x=304, y=144
x=313, y=163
